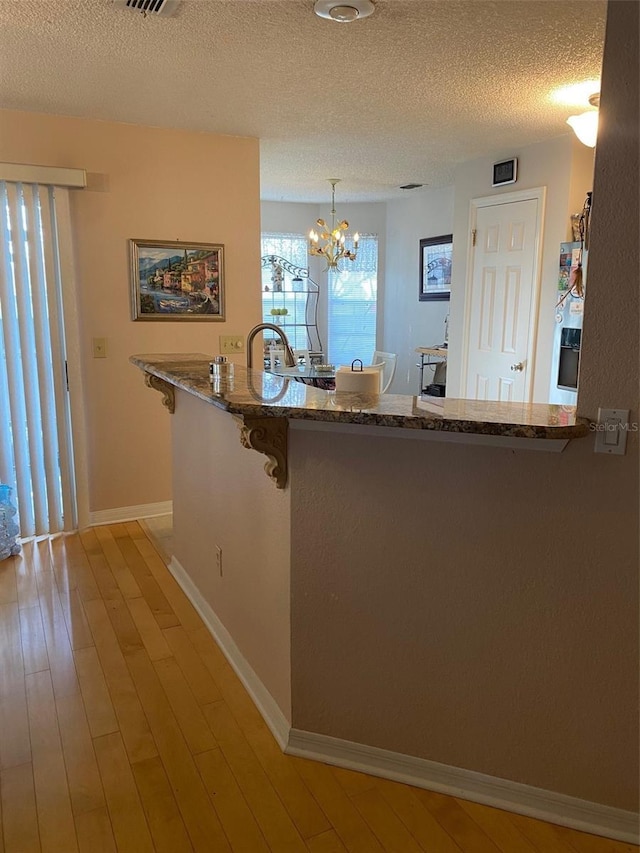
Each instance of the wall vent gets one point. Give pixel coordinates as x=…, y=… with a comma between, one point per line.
x=165, y=8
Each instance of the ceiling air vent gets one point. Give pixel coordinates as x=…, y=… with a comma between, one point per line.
x=165, y=8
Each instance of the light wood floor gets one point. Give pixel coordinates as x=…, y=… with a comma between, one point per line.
x=122, y=727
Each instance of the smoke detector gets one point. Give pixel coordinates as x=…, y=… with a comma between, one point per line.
x=343, y=13
x=161, y=8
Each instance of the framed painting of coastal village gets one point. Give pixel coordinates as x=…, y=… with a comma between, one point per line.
x=177, y=281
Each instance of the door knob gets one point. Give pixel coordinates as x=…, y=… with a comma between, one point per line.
x=518, y=368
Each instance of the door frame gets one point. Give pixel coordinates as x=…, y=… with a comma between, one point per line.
x=538, y=194
x=76, y=425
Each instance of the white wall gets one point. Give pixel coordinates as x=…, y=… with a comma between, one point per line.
x=407, y=322
x=563, y=169
x=287, y=217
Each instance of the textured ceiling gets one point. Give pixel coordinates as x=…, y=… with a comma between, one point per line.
x=402, y=96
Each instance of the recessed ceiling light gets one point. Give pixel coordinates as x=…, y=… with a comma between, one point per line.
x=343, y=13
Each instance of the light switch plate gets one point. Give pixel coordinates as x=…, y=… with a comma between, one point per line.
x=611, y=431
x=231, y=344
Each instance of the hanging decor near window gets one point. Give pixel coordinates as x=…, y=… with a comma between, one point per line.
x=334, y=248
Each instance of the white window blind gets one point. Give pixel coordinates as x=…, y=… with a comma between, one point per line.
x=35, y=450
x=353, y=304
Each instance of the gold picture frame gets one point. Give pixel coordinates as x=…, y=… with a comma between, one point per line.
x=173, y=280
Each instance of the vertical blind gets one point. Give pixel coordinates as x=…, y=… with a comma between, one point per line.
x=35, y=451
x=353, y=304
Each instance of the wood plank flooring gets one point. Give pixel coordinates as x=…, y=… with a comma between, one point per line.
x=123, y=728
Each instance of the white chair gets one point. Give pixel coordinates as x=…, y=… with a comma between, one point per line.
x=302, y=355
x=388, y=362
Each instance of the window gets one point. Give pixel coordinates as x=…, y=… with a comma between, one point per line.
x=352, y=305
x=35, y=441
x=293, y=248
x=352, y=297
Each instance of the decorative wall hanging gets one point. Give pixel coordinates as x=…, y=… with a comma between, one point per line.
x=177, y=281
x=435, y=268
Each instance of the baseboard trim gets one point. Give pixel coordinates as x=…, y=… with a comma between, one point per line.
x=263, y=700
x=129, y=513
x=468, y=785
x=504, y=794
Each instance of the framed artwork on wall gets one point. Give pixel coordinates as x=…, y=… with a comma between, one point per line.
x=435, y=268
x=177, y=281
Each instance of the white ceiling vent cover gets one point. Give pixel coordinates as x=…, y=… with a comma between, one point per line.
x=165, y=8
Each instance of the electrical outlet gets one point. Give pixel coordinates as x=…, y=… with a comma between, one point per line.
x=219, y=559
x=99, y=347
x=231, y=344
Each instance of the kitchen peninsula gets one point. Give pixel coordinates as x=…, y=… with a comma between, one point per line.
x=382, y=593
x=259, y=394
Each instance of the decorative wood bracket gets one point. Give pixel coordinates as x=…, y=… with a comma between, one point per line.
x=268, y=436
x=165, y=388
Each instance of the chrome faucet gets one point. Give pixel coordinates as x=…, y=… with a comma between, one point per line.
x=289, y=357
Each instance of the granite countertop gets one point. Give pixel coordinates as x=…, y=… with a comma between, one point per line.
x=255, y=393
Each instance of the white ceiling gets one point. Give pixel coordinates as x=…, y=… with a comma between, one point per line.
x=401, y=96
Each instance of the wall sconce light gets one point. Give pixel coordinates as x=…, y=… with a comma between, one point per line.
x=585, y=126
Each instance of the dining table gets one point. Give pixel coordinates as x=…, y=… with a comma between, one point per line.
x=310, y=374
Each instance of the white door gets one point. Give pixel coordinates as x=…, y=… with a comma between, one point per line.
x=502, y=297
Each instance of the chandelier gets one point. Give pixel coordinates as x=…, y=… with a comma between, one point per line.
x=334, y=248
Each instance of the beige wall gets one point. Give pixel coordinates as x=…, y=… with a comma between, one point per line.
x=151, y=184
x=223, y=498
x=479, y=606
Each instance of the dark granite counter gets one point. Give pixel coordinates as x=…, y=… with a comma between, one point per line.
x=257, y=394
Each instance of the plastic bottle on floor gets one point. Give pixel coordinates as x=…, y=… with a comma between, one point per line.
x=9, y=545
